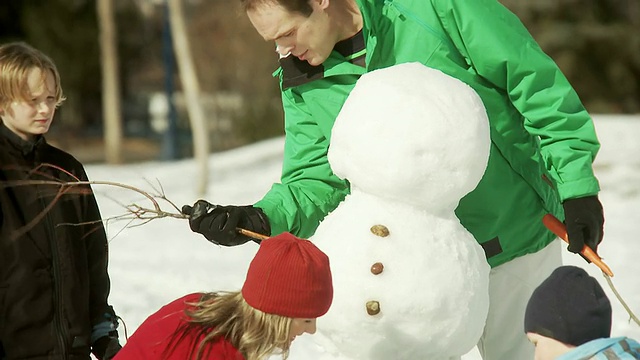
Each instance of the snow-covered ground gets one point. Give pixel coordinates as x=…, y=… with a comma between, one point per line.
x=154, y=263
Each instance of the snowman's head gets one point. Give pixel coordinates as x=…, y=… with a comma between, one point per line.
x=413, y=134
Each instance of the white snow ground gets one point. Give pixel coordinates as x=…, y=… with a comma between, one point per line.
x=154, y=263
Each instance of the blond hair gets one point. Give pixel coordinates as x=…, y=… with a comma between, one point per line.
x=17, y=59
x=255, y=334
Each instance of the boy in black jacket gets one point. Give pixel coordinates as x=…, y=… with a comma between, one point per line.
x=53, y=248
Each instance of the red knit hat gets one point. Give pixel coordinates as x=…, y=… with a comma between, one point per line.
x=289, y=277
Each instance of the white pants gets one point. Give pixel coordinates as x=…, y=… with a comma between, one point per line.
x=510, y=287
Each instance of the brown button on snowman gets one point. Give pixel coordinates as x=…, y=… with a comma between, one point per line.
x=410, y=282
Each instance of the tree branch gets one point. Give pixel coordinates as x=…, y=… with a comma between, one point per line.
x=133, y=211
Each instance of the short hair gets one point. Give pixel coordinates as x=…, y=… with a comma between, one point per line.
x=299, y=6
x=254, y=333
x=17, y=59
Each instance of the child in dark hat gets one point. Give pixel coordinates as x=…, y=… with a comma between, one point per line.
x=568, y=317
x=288, y=286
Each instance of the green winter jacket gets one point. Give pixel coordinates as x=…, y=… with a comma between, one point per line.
x=543, y=140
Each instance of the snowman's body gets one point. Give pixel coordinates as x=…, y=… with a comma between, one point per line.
x=410, y=281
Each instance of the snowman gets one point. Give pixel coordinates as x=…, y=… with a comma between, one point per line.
x=410, y=282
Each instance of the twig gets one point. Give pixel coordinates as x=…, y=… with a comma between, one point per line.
x=139, y=211
x=632, y=316
x=134, y=211
x=251, y=234
x=558, y=228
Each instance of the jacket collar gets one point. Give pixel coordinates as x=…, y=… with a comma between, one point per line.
x=295, y=72
x=26, y=147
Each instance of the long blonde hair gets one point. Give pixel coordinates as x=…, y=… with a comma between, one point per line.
x=255, y=334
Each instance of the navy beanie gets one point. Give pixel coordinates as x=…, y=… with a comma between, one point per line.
x=569, y=306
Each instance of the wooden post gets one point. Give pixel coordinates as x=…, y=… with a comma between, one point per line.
x=110, y=82
x=191, y=90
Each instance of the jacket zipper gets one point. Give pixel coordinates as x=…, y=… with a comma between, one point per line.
x=57, y=286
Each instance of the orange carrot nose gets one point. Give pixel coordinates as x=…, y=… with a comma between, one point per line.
x=557, y=227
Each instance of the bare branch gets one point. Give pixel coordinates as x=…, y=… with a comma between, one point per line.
x=139, y=211
x=133, y=213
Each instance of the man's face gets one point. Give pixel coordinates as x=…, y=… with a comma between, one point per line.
x=308, y=38
x=32, y=116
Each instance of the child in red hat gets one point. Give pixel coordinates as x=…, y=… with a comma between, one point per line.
x=288, y=286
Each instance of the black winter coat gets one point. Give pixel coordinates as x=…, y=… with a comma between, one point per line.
x=53, y=277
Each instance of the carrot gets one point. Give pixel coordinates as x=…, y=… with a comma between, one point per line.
x=557, y=227
x=251, y=234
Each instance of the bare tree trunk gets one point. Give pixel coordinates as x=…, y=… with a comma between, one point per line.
x=110, y=83
x=191, y=90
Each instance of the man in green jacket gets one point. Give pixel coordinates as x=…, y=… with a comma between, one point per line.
x=543, y=140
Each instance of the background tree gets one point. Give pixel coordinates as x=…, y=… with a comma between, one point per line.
x=192, y=90
x=110, y=82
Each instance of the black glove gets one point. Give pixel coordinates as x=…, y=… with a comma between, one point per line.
x=106, y=347
x=218, y=223
x=585, y=223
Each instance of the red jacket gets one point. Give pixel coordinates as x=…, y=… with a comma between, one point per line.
x=151, y=339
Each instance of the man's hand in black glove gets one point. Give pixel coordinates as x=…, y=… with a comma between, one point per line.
x=218, y=223
x=106, y=347
x=585, y=222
